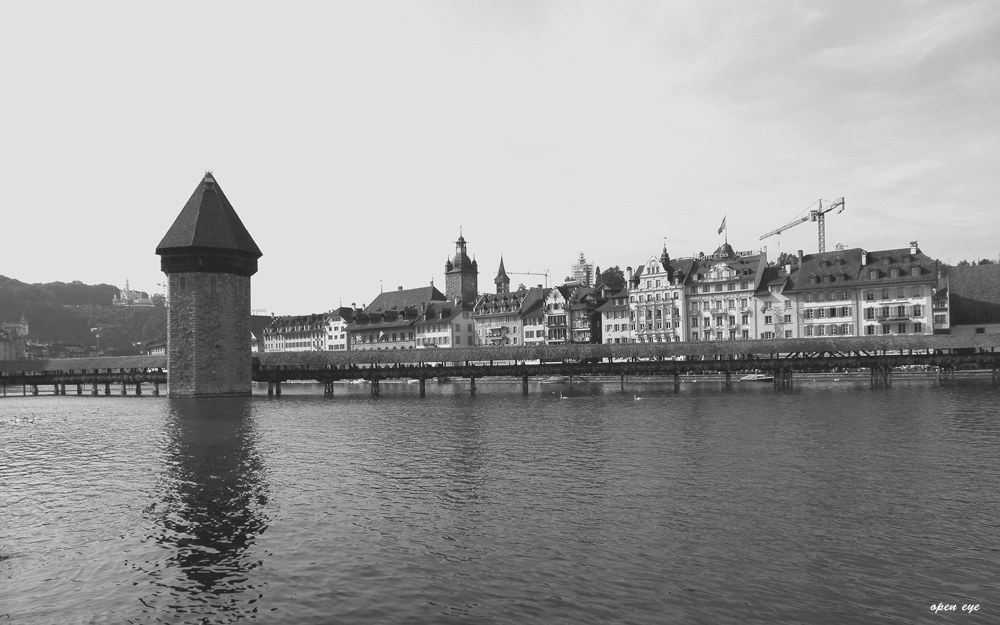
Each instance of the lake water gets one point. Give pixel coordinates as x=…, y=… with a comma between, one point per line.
x=832, y=503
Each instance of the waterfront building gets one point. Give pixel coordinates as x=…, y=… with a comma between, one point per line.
x=974, y=294
x=618, y=318
x=720, y=294
x=389, y=321
x=774, y=306
x=303, y=333
x=941, y=306
x=850, y=292
x=445, y=324
x=157, y=346
x=555, y=317
x=657, y=300
x=583, y=315
x=498, y=318
x=896, y=290
x=209, y=258
x=532, y=315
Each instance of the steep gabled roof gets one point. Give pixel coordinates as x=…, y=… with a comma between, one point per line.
x=208, y=221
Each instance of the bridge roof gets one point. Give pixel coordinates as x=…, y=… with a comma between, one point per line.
x=209, y=222
x=703, y=349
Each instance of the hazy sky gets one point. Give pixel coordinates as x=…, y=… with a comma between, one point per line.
x=354, y=139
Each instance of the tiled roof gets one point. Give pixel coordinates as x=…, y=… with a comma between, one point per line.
x=975, y=294
x=396, y=300
x=208, y=221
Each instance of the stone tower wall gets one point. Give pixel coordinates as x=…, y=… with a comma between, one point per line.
x=208, y=335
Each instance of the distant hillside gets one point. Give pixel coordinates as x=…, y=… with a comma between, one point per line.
x=67, y=312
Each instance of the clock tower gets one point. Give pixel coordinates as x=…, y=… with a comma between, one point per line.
x=461, y=275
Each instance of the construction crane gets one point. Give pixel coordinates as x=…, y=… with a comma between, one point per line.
x=531, y=273
x=813, y=214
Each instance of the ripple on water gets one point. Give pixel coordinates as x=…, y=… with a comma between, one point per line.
x=828, y=504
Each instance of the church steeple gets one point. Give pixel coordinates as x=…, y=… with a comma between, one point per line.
x=502, y=281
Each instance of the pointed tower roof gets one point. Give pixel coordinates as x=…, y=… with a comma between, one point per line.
x=208, y=221
x=502, y=274
x=208, y=236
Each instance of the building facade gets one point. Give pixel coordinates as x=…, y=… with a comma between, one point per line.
x=721, y=295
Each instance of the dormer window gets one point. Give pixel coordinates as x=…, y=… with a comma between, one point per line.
x=914, y=271
x=873, y=274
x=894, y=273
x=885, y=261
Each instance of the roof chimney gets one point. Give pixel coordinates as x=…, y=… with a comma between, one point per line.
x=399, y=288
x=629, y=270
x=864, y=258
x=800, y=258
x=913, y=247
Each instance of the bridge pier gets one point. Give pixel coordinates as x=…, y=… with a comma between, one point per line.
x=79, y=389
x=782, y=378
x=277, y=388
x=93, y=389
x=472, y=380
x=621, y=382
x=138, y=388
x=107, y=388
x=375, y=389
x=677, y=381
x=34, y=389
x=328, y=389
x=729, y=379
x=524, y=384
x=60, y=389
x=156, y=388
x=423, y=387
x=124, y=390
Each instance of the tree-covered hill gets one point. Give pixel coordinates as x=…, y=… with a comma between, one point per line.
x=60, y=311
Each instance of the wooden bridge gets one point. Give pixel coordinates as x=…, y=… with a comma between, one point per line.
x=780, y=358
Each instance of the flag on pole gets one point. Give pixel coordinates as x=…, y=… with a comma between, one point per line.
x=723, y=226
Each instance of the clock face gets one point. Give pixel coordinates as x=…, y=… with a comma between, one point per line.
x=469, y=282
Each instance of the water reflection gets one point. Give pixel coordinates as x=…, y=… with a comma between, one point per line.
x=213, y=508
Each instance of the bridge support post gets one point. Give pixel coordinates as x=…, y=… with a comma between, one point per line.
x=423, y=387
x=34, y=389
x=107, y=388
x=79, y=389
x=621, y=382
x=60, y=389
x=677, y=382
x=277, y=388
x=156, y=388
x=270, y=389
x=93, y=389
x=138, y=388
x=729, y=379
x=524, y=384
x=124, y=389
x=472, y=381
x=375, y=389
